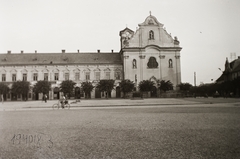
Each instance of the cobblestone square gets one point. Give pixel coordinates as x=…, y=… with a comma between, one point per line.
x=182, y=131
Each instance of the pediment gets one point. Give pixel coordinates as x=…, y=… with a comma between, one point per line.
x=153, y=78
x=97, y=69
x=66, y=70
x=76, y=70
x=125, y=31
x=13, y=71
x=107, y=69
x=117, y=70
x=3, y=71
x=151, y=20
x=55, y=70
x=45, y=70
x=152, y=48
x=86, y=70
x=34, y=70
x=24, y=71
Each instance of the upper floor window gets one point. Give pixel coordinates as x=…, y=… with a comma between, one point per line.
x=45, y=76
x=134, y=63
x=24, y=77
x=56, y=76
x=170, y=63
x=117, y=75
x=14, y=77
x=3, y=77
x=66, y=76
x=151, y=35
x=97, y=74
x=152, y=63
x=35, y=76
x=77, y=76
x=107, y=75
x=87, y=75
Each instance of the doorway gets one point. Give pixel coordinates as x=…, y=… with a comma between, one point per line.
x=56, y=93
x=154, y=92
x=97, y=93
x=118, y=92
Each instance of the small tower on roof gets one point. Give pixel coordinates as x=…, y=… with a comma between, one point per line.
x=227, y=66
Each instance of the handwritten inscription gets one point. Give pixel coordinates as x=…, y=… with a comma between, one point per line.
x=37, y=140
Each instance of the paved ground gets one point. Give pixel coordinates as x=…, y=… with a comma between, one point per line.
x=175, y=128
x=21, y=105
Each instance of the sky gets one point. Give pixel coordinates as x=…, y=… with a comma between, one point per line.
x=208, y=30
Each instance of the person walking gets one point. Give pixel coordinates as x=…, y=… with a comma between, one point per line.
x=63, y=101
x=2, y=99
x=45, y=98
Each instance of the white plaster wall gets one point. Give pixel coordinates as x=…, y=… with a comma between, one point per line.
x=62, y=70
x=141, y=37
x=162, y=47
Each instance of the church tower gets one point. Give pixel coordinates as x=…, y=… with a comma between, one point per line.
x=150, y=53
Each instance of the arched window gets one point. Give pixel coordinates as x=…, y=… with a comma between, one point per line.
x=151, y=35
x=170, y=63
x=152, y=63
x=134, y=63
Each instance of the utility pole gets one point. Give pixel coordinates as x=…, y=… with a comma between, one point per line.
x=195, y=79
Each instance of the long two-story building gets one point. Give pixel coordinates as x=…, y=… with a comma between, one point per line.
x=149, y=53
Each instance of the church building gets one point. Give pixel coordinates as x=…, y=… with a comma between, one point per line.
x=149, y=53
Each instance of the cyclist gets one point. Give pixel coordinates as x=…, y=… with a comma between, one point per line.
x=62, y=101
x=66, y=99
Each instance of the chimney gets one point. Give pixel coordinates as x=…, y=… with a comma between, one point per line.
x=35, y=51
x=9, y=51
x=78, y=51
x=98, y=51
x=63, y=51
x=112, y=51
x=21, y=51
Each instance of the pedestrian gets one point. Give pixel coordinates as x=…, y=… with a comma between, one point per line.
x=2, y=99
x=63, y=101
x=45, y=98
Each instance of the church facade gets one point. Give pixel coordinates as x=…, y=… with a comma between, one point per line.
x=149, y=53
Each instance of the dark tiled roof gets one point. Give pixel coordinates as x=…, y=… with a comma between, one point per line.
x=220, y=79
x=236, y=65
x=59, y=58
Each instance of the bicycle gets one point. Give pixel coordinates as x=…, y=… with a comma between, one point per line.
x=61, y=104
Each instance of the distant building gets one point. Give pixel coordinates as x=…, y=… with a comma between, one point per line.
x=231, y=71
x=150, y=53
